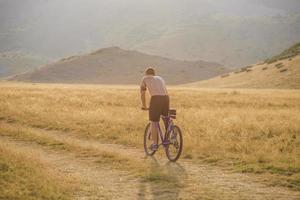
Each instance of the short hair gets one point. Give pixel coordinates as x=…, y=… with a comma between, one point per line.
x=150, y=71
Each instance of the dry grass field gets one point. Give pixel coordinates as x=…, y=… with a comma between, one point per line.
x=22, y=176
x=238, y=144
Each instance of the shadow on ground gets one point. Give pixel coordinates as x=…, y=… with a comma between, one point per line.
x=163, y=180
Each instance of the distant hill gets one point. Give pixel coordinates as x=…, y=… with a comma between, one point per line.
x=231, y=32
x=12, y=63
x=117, y=66
x=281, y=71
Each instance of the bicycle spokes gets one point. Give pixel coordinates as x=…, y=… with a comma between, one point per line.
x=174, y=148
x=173, y=137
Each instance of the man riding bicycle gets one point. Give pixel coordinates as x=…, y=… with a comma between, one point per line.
x=159, y=103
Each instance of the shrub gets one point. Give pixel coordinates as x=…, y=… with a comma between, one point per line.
x=244, y=69
x=279, y=65
x=224, y=75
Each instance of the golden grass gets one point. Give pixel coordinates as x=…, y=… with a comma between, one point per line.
x=24, y=177
x=252, y=130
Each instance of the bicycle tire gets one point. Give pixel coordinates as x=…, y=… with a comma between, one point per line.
x=179, y=134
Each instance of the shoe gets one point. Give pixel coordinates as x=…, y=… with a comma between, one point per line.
x=153, y=147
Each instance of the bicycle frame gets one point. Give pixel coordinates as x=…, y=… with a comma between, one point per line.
x=165, y=142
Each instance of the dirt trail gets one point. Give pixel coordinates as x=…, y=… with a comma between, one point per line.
x=192, y=181
x=97, y=183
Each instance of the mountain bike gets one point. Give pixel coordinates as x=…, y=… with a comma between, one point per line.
x=171, y=140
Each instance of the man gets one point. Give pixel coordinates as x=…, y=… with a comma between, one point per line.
x=159, y=103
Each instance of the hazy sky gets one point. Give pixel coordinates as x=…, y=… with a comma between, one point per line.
x=56, y=28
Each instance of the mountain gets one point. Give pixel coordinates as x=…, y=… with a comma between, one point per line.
x=281, y=71
x=117, y=66
x=230, y=32
x=12, y=63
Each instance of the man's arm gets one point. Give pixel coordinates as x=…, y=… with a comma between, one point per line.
x=143, y=98
x=143, y=90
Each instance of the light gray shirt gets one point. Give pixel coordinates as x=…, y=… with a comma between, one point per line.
x=155, y=84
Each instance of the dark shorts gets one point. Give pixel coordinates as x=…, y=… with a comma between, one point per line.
x=159, y=105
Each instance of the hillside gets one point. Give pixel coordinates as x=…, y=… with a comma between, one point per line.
x=286, y=54
x=117, y=66
x=281, y=71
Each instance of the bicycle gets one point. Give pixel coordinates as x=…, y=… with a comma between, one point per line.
x=171, y=141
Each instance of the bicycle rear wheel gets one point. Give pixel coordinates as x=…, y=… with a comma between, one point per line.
x=174, y=149
x=148, y=141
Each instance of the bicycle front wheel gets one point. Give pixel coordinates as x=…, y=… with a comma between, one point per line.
x=174, y=149
x=148, y=141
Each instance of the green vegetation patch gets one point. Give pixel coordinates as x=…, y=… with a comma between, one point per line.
x=244, y=69
x=283, y=70
x=158, y=175
x=279, y=65
x=283, y=176
x=224, y=75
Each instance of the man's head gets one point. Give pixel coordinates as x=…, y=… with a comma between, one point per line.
x=150, y=71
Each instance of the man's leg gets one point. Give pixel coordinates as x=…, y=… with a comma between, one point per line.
x=154, y=132
x=154, y=116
